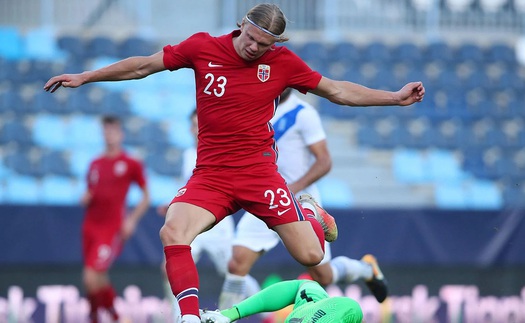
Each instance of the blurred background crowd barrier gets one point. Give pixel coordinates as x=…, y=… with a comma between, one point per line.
x=442, y=182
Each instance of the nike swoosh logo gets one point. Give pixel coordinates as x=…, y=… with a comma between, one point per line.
x=210, y=64
x=283, y=212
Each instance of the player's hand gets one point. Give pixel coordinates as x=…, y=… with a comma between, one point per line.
x=411, y=93
x=65, y=80
x=128, y=228
x=294, y=187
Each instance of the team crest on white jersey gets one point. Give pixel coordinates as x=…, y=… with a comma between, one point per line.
x=263, y=72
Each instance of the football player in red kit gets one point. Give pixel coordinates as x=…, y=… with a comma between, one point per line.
x=105, y=226
x=239, y=77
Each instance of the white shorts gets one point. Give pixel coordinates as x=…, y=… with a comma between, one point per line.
x=217, y=243
x=252, y=233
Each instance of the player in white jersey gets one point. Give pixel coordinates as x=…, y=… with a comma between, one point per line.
x=303, y=159
x=216, y=242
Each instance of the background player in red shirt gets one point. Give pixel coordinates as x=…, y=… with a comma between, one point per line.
x=105, y=225
x=238, y=77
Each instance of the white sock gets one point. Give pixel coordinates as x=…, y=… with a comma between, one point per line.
x=233, y=291
x=252, y=286
x=188, y=318
x=176, y=311
x=347, y=270
x=168, y=294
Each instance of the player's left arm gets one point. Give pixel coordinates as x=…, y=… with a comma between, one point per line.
x=320, y=167
x=353, y=94
x=314, y=137
x=133, y=218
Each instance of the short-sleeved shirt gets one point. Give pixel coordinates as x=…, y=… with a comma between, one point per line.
x=237, y=98
x=108, y=180
x=297, y=125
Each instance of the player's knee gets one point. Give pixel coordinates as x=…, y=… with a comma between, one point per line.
x=310, y=257
x=168, y=235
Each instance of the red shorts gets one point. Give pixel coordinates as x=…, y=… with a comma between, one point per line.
x=258, y=189
x=100, y=248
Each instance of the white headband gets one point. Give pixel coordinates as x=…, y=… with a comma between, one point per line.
x=263, y=29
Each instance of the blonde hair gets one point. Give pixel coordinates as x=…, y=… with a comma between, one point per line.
x=269, y=18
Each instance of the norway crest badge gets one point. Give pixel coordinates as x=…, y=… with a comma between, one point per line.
x=263, y=72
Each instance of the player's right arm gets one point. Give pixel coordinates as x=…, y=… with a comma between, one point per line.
x=131, y=68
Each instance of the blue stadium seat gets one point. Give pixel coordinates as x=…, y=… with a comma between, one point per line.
x=60, y=190
x=134, y=194
x=501, y=53
x=469, y=52
x=377, y=52
x=313, y=51
x=505, y=168
x=137, y=46
x=21, y=189
x=425, y=139
x=40, y=43
x=384, y=79
x=408, y=166
x=79, y=126
x=150, y=134
x=46, y=102
x=11, y=43
x=509, y=80
x=147, y=104
x=101, y=46
x=450, y=196
x=39, y=71
x=12, y=102
x=408, y=53
x=448, y=80
x=51, y=131
x=477, y=79
x=473, y=163
x=73, y=45
x=115, y=103
x=15, y=131
x=25, y=162
x=55, y=163
x=162, y=188
x=164, y=162
x=335, y=193
x=79, y=159
x=483, y=195
x=514, y=196
x=345, y=52
x=454, y=137
x=5, y=172
x=368, y=136
x=442, y=166
x=78, y=101
x=439, y=51
x=416, y=74
x=8, y=71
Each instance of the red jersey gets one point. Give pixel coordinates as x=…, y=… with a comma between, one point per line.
x=108, y=181
x=237, y=98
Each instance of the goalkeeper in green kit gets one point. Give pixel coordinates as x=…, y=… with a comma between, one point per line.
x=311, y=304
